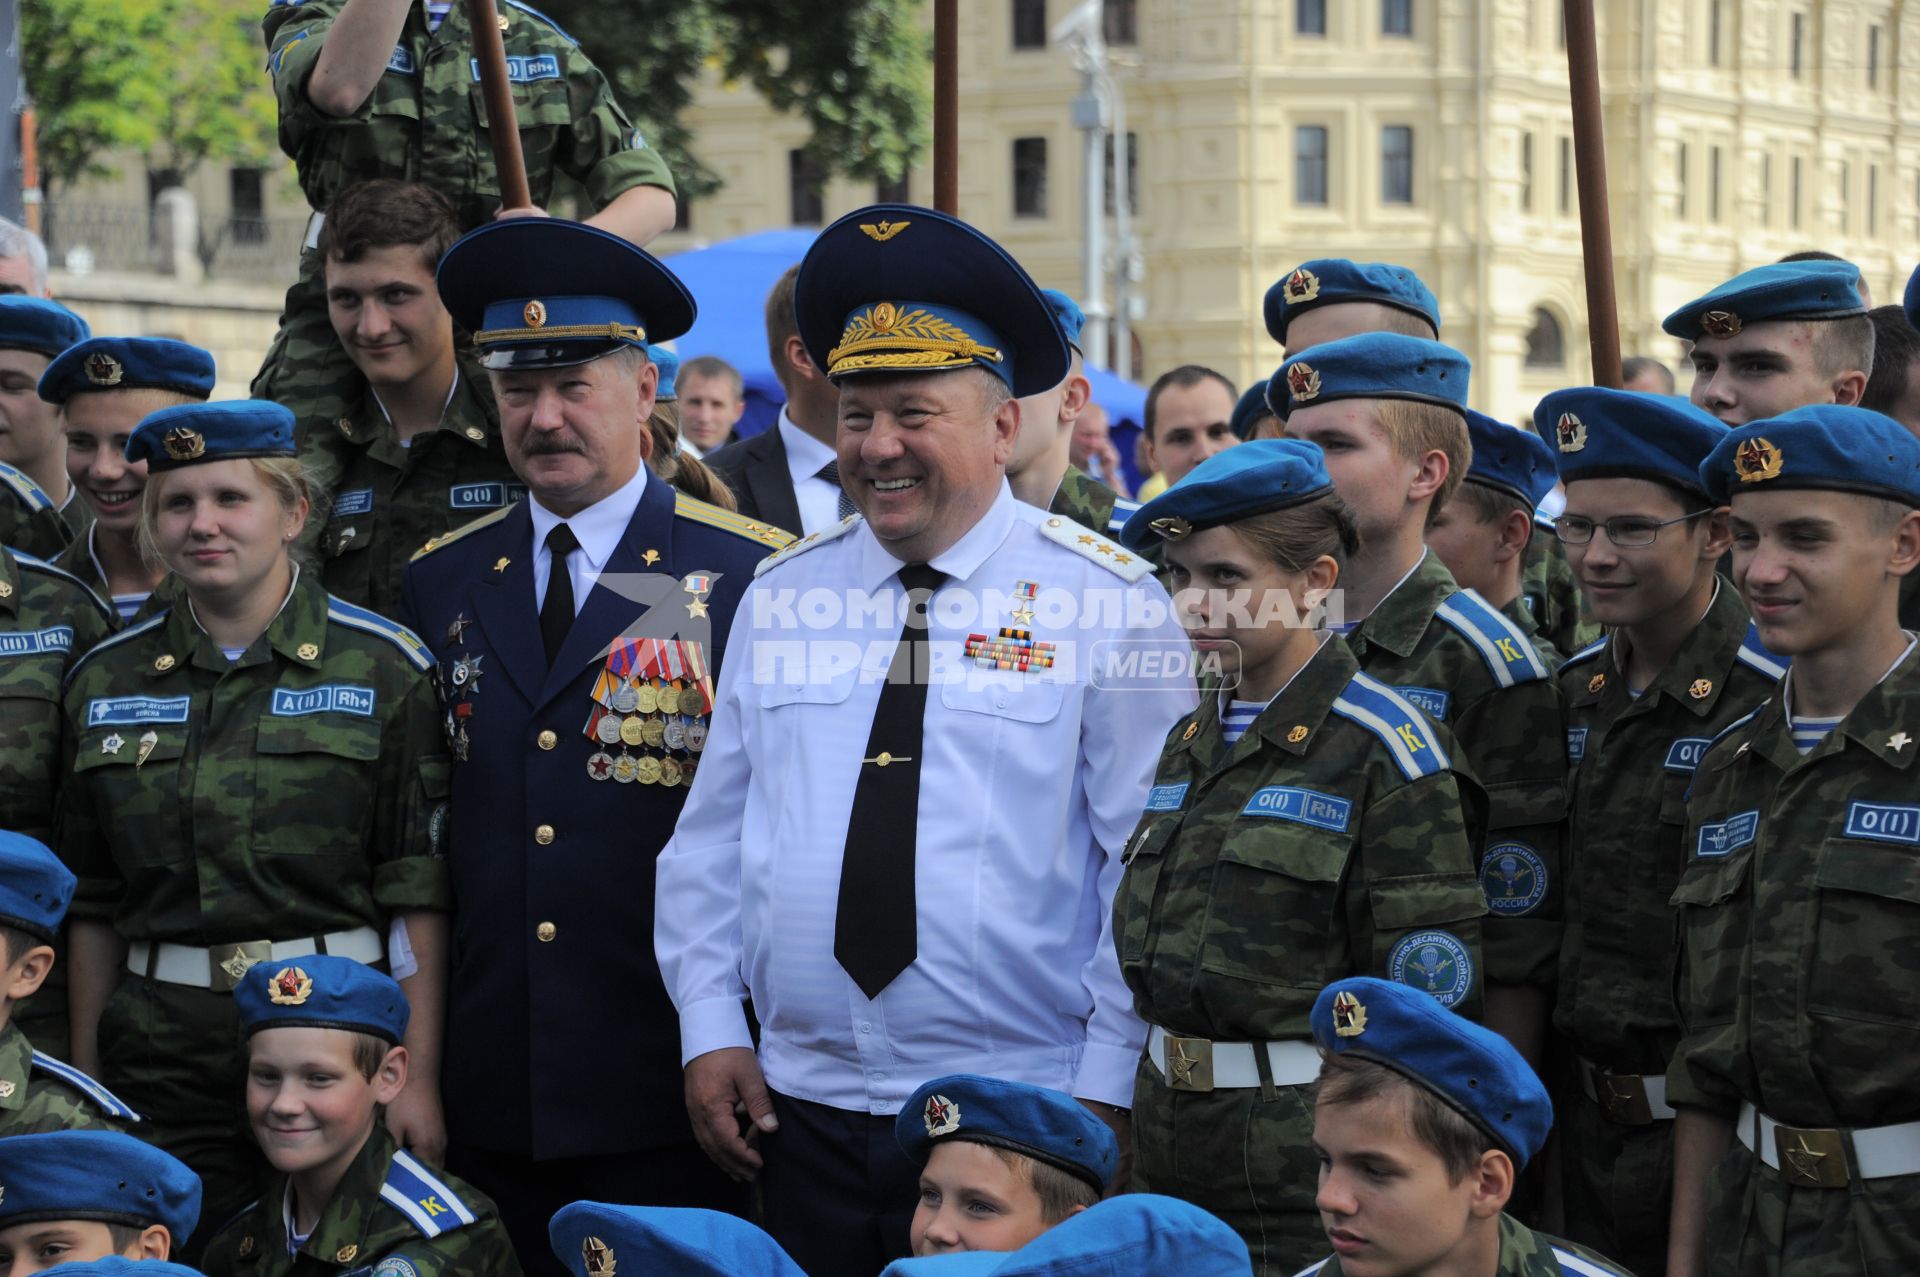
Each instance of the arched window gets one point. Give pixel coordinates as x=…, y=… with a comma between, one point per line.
x=1546, y=344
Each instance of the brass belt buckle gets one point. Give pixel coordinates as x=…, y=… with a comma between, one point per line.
x=229, y=963
x=1189, y=1063
x=1811, y=1158
x=1624, y=1097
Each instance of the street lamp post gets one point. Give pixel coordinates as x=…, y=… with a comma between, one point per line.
x=1079, y=33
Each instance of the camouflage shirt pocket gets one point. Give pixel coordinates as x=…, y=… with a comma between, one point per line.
x=1274, y=913
x=544, y=110
x=136, y=790
x=29, y=733
x=1713, y=937
x=314, y=783
x=1869, y=911
x=1133, y=904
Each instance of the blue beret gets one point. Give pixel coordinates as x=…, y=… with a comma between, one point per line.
x=1247, y=413
x=594, y=1239
x=118, y=1266
x=1781, y=291
x=1822, y=446
x=1123, y=1236
x=1372, y=366
x=896, y=288
x=196, y=432
x=320, y=991
x=1066, y=313
x=1049, y=1126
x=1623, y=434
x=1506, y=457
x=96, y=1175
x=36, y=324
x=1475, y=1070
x=1328, y=280
x=1252, y=478
x=128, y=363
x=669, y=365
x=543, y=292
x=35, y=887
x=1912, y=298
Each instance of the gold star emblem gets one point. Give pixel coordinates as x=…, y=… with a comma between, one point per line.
x=1721, y=323
x=1597, y=682
x=500, y=564
x=1701, y=689
x=1182, y=1065
x=882, y=231
x=291, y=988
x=1103, y=548
x=164, y=662
x=1297, y=735
x=1123, y=558
x=307, y=651
x=1571, y=432
x=346, y=1254
x=113, y=744
x=597, y=1256
x=535, y=313
x=184, y=444
x=1349, y=1015
x=1023, y=616
x=1757, y=460
x=697, y=607
x=1302, y=286
x=1085, y=539
x=1899, y=741
x=1805, y=1160
x=1303, y=383
x=103, y=369
x=650, y=557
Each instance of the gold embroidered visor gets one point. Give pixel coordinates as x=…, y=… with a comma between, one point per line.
x=914, y=337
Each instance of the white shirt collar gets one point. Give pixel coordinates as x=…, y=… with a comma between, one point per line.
x=600, y=526
x=805, y=454
x=959, y=560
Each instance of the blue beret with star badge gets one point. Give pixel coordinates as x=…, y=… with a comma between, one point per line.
x=1256, y=477
x=543, y=292
x=321, y=991
x=128, y=363
x=1474, y=1070
x=1066, y=313
x=1249, y=412
x=1125, y=1236
x=1768, y=294
x=189, y=434
x=1049, y=1126
x=595, y=1239
x=1330, y=280
x=1599, y=433
x=667, y=390
x=37, y=324
x=35, y=887
x=897, y=288
x=96, y=1175
x=1824, y=446
x=1517, y=462
x=119, y=1266
x=1372, y=366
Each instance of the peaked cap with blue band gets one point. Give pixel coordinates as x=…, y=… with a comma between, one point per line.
x=119, y=1266
x=1624, y=434
x=320, y=991
x=1766, y=294
x=1474, y=1070
x=196, y=432
x=35, y=887
x=1824, y=446
x=1506, y=457
x=96, y=1175
x=1257, y=477
x=1125, y=1236
x=596, y=1239
x=543, y=292
x=897, y=288
x=1372, y=366
x=668, y=388
x=36, y=324
x=1049, y=1126
x=1066, y=313
x=128, y=363
x=1327, y=281
x=1248, y=412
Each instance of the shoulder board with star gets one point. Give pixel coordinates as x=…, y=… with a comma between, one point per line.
x=427, y=1200
x=1586, y=653
x=1397, y=721
x=341, y=612
x=114, y=640
x=47, y=569
x=1509, y=654
x=448, y=538
x=1123, y=563
x=811, y=541
x=25, y=488
x=104, y=1099
x=686, y=507
x=1754, y=655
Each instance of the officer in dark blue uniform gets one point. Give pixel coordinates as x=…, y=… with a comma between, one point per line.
x=577, y=635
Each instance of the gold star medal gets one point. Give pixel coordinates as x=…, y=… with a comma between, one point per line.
x=291, y=988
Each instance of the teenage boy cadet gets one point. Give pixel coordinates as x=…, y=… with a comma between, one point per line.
x=76, y=1196
x=1800, y=1015
x=37, y=1092
x=324, y=1058
x=1776, y=338
x=40, y=513
x=1483, y=534
x=1390, y=414
x=1133, y=1235
x=1000, y=1162
x=1041, y=472
x=1423, y=1122
x=593, y=1239
x=1642, y=705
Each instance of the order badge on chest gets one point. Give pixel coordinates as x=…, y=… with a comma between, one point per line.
x=650, y=709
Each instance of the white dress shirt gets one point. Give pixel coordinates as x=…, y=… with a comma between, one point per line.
x=598, y=528
x=819, y=501
x=1030, y=785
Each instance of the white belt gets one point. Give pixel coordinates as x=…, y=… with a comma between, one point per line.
x=1629, y=1099
x=221, y=967
x=1819, y=1157
x=1197, y=1064
x=311, y=241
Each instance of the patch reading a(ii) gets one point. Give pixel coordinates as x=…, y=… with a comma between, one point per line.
x=332, y=698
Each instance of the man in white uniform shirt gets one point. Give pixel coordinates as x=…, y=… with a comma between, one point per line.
x=909, y=868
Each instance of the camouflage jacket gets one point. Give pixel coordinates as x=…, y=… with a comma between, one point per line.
x=393, y=500
x=1523, y=1253
x=1091, y=503
x=426, y=119
x=1632, y=760
x=294, y=792
x=1328, y=841
x=1520, y=612
x=1456, y=657
x=1798, y=907
x=78, y=560
x=48, y=621
x=391, y=1216
x=29, y=521
x=39, y=1093
x=1553, y=595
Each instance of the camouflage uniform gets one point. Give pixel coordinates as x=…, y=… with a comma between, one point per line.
x=1525, y=1253
x=1633, y=759
x=40, y=1094
x=426, y=121
x=1798, y=909
x=78, y=560
x=1558, y=607
x=29, y=521
x=1312, y=848
x=446, y=1230
x=1092, y=504
x=211, y=804
x=393, y=500
x=1521, y=615
x=1449, y=652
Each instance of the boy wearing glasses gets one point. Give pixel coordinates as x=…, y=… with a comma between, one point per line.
x=1679, y=665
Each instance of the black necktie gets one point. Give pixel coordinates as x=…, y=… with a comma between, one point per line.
x=875, y=933
x=556, y=610
x=831, y=473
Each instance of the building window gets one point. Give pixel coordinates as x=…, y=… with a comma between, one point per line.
x=1546, y=344
x=1310, y=164
x=1396, y=164
x=1713, y=184
x=1309, y=17
x=1133, y=173
x=1566, y=176
x=1873, y=200
x=1121, y=21
x=1029, y=24
x=806, y=186
x=1526, y=172
x=1796, y=38
x=897, y=191
x=1713, y=33
x=247, y=205
x=1680, y=176
x=1029, y=177
x=1793, y=197
x=1873, y=57
x=1396, y=17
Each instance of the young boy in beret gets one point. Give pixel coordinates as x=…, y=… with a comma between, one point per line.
x=1134, y=1235
x=1001, y=1162
x=1422, y=1123
x=324, y=1059
x=75, y=1196
x=598, y=1239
